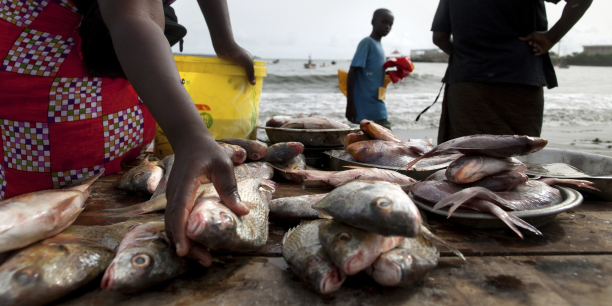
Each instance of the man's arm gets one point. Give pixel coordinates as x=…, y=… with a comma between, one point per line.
x=351, y=112
x=218, y=21
x=443, y=41
x=543, y=41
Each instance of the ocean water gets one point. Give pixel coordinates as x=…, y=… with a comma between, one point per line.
x=583, y=98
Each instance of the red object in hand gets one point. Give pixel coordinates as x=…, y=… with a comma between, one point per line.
x=404, y=68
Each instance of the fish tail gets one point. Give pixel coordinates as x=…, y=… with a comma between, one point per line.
x=130, y=211
x=416, y=160
x=503, y=215
x=83, y=184
x=437, y=240
x=459, y=198
x=579, y=183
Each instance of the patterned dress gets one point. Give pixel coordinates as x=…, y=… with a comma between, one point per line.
x=58, y=123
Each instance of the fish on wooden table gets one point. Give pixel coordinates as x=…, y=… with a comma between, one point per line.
x=296, y=163
x=488, y=145
x=353, y=249
x=406, y=264
x=255, y=150
x=294, y=209
x=381, y=152
x=278, y=121
x=31, y=217
x=360, y=174
x=379, y=207
x=50, y=269
x=471, y=168
x=236, y=153
x=142, y=178
x=144, y=258
x=314, y=123
x=158, y=201
x=283, y=151
x=215, y=226
x=308, y=259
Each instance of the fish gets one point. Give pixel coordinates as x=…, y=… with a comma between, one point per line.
x=158, y=201
x=292, y=209
x=379, y=207
x=215, y=226
x=283, y=151
x=471, y=168
x=381, y=152
x=34, y=216
x=355, y=137
x=489, y=145
x=142, y=178
x=278, y=121
x=236, y=153
x=144, y=258
x=52, y=268
x=296, y=163
x=433, y=191
x=255, y=150
x=503, y=181
x=406, y=264
x=353, y=249
x=377, y=131
x=314, y=123
x=308, y=259
x=339, y=178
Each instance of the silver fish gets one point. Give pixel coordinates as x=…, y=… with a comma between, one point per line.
x=34, y=216
x=379, y=207
x=293, y=209
x=361, y=174
x=296, y=163
x=314, y=123
x=143, y=178
x=144, y=258
x=278, y=121
x=309, y=261
x=214, y=225
x=353, y=249
x=471, y=168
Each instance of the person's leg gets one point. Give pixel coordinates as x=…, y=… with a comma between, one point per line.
x=384, y=122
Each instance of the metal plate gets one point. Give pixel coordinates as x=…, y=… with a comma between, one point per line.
x=337, y=164
x=309, y=137
x=535, y=217
x=598, y=168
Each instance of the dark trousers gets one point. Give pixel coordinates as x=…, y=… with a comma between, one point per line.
x=383, y=122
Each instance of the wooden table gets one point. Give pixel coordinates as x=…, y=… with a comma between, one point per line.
x=571, y=264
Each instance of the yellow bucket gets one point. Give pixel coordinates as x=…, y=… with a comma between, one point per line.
x=227, y=102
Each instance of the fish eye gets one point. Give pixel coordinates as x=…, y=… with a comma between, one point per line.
x=344, y=237
x=227, y=218
x=382, y=203
x=141, y=260
x=255, y=155
x=25, y=277
x=137, y=175
x=314, y=261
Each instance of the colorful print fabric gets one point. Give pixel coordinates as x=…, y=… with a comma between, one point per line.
x=58, y=123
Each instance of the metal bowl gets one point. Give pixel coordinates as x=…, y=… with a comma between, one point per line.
x=535, y=217
x=337, y=164
x=309, y=137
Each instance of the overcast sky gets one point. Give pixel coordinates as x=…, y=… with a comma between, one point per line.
x=331, y=29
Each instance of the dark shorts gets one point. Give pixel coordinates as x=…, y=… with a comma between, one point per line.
x=383, y=122
x=491, y=108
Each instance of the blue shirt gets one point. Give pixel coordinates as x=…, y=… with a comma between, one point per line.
x=370, y=57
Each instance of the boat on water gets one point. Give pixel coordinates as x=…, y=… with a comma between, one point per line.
x=276, y=61
x=310, y=64
x=563, y=65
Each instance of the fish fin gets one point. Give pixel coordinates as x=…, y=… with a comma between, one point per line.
x=459, y=198
x=323, y=215
x=165, y=164
x=509, y=219
x=76, y=240
x=357, y=167
x=83, y=184
x=414, y=161
x=287, y=234
x=579, y=183
x=439, y=241
x=138, y=209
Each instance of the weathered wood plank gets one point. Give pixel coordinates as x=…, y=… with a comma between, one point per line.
x=517, y=280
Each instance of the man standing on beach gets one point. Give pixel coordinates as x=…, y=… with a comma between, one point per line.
x=499, y=64
x=366, y=74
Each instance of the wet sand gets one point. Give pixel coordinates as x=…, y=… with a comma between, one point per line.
x=595, y=139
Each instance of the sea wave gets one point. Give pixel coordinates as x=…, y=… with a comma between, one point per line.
x=403, y=108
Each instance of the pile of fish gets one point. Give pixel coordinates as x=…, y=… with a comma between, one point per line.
x=377, y=145
x=488, y=179
x=375, y=227
x=302, y=122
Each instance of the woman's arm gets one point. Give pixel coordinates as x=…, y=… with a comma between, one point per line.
x=136, y=28
x=443, y=41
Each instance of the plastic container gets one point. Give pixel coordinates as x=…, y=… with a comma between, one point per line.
x=227, y=102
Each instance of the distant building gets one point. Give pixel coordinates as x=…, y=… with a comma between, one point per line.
x=428, y=55
x=600, y=49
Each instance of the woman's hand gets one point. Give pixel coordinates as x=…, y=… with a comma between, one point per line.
x=242, y=58
x=197, y=162
x=539, y=41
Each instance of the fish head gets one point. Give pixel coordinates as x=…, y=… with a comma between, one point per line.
x=317, y=268
x=465, y=168
x=346, y=245
x=361, y=150
x=212, y=223
x=144, y=178
x=535, y=144
x=398, y=214
x=294, y=148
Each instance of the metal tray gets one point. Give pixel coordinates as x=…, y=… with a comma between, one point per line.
x=309, y=137
x=337, y=164
x=536, y=217
x=597, y=168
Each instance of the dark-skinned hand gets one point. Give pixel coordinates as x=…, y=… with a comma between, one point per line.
x=243, y=59
x=196, y=163
x=351, y=112
x=539, y=41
